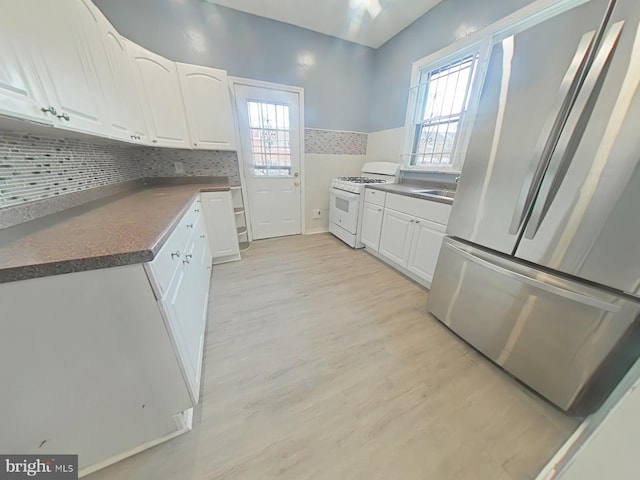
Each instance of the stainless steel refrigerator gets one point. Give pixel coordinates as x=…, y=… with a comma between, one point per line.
x=540, y=270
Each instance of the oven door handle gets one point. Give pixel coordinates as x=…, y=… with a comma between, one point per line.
x=343, y=194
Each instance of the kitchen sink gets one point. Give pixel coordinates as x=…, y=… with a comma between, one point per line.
x=437, y=193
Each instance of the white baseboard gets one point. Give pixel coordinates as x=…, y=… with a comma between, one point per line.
x=549, y=472
x=317, y=230
x=185, y=424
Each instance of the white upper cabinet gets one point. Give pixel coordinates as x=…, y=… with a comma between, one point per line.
x=21, y=94
x=97, y=30
x=63, y=56
x=158, y=86
x=128, y=98
x=63, y=64
x=208, y=106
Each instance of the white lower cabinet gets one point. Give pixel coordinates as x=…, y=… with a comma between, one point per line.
x=371, y=225
x=425, y=248
x=221, y=226
x=102, y=357
x=181, y=274
x=411, y=243
x=395, y=240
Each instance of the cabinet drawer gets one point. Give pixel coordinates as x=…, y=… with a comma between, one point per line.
x=376, y=197
x=166, y=262
x=433, y=211
x=171, y=254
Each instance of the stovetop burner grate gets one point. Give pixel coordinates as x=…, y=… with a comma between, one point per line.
x=361, y=180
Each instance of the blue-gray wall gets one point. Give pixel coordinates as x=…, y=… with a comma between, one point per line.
x=336, y=87
x=447, y=22
x=350, y=87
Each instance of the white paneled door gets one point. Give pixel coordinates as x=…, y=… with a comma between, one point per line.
x=269, y=121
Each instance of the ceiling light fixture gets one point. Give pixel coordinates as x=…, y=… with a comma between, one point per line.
x=371, y=6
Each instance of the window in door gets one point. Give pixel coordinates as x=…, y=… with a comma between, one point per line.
x=270, y=147
x=439, y=104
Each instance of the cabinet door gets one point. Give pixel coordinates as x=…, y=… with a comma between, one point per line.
x=208, y=105
x=122, y=71
x=110, y=74
x=62, y=56
x=425, y=248
x=157, y=84
x=395, y=240
x=21, y=93
x=185, y=322
x=371, y=225
x=221, y=224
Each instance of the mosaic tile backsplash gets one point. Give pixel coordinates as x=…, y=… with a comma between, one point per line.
x=160, y=162
x=36, y=168
x=334, y=142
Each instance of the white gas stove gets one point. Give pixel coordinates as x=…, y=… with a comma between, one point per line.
x=345, y=204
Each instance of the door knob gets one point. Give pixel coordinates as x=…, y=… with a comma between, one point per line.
x=296, y=174
x=296, y=184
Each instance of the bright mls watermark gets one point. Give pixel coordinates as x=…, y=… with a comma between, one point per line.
x=52, y=467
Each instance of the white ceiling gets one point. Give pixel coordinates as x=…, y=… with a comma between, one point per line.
x=346, y=19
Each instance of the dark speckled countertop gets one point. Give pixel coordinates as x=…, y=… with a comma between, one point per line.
x=411, y=190
x=118, y=230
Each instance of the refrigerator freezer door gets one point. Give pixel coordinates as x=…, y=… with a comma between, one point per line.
x=528, y=78
x=551, y=333
x=586, y=221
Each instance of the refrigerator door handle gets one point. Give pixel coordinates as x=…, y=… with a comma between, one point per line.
x=575, y=127
x=550, y=131
x=547, y=287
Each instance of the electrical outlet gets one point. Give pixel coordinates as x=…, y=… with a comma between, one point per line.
x=179, y=167
x=317, y=213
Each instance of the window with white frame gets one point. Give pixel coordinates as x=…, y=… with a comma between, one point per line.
x=446, y=90
x=438, y=106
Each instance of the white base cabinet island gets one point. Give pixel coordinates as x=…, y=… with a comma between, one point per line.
x=106, y=363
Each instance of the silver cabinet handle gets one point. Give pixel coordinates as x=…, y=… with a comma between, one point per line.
x=373, y=192
x=64, y=116
x=175, y=255
x=195, y=144
x=155, y=140
x=535, y=283
x=202, y=236
x=49, y=109
x=412, y=220
x=185, y=262
x=417, y=221
x=379, y=209
x=189, y=255
x=190, y=225
x=197, y=210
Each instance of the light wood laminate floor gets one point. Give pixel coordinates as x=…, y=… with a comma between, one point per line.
x=322, y=363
